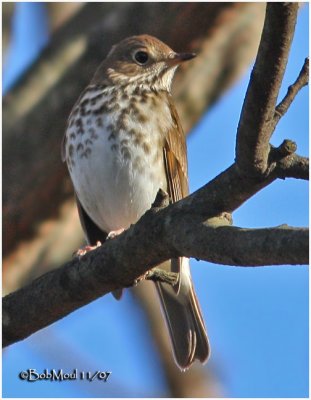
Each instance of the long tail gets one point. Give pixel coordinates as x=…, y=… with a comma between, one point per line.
x=184, y=319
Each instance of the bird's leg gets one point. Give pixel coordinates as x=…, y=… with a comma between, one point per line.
x=113, y=234
x=81, y=252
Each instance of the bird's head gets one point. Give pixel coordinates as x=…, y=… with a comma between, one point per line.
x=141, y=60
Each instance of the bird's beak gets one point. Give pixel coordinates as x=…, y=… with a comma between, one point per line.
x=178, y=58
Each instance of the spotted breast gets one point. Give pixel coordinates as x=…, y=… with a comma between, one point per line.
x=114, y=153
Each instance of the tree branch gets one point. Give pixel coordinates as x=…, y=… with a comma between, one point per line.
x=230, y=189
x=301, y=81
x=162, y=233
x=294, y=167
x=256, y=122
x=289, y=165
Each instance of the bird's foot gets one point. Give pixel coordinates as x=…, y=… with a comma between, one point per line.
x=142, y=277
x=113, y=234
x=81, y=252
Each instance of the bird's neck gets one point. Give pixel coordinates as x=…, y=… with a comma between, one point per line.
x=144, y=83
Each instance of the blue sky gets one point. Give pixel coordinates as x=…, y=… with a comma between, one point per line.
x=257, y=318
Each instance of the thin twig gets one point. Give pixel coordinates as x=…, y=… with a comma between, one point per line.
x=301, y=81
x=159, y=275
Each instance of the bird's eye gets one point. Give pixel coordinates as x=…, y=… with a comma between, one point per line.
x=141, y=57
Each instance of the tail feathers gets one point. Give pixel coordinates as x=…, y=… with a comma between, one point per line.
x=185, y=323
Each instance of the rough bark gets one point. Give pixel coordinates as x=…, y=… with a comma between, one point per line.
x=256, y=122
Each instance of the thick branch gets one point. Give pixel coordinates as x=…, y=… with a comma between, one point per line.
x=162, y=233
x=256, y=122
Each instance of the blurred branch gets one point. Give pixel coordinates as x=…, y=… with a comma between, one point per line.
x=7, y=12
x=161, y=234
x=64, y=234
x=60, y=13
x=36, y=110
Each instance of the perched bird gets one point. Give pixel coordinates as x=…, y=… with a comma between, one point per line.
x=124, y=142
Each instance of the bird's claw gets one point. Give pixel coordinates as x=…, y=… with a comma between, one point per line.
x=113, y=234
x=141, y=278
x=81, y=252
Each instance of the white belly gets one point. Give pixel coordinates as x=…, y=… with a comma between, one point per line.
x=118, y=181
x=117, y=175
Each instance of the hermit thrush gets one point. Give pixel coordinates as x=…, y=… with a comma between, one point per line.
x=124, y=142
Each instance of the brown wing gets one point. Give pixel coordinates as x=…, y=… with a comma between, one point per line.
x=179, y=303
x=176, y=168
x=175, y=158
